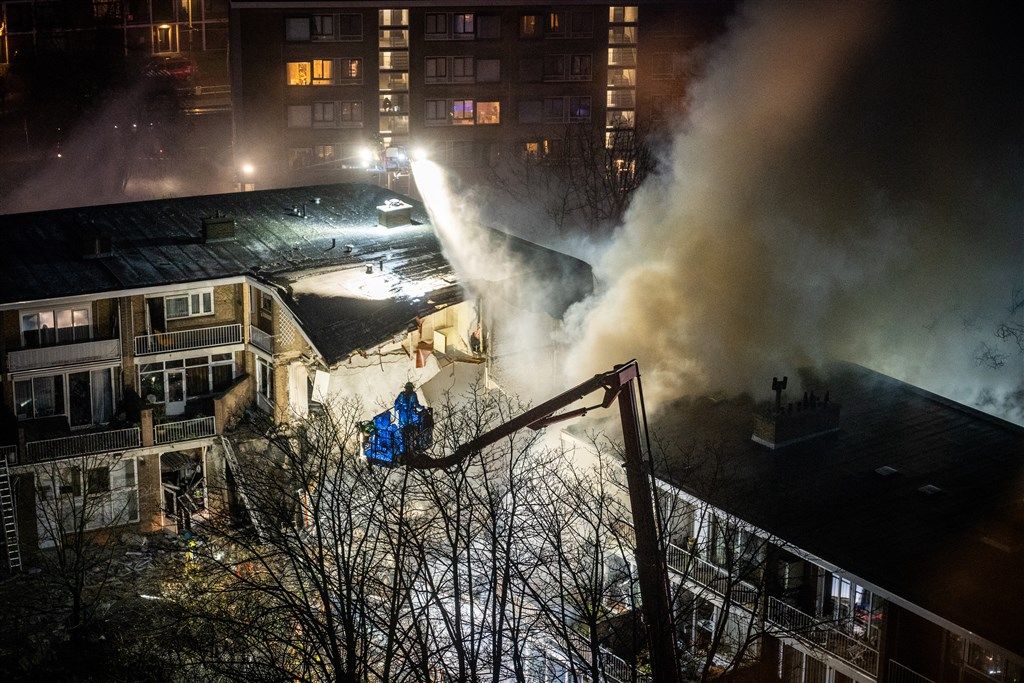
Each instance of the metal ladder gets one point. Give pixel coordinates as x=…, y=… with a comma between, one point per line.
x=232, y=460
x=10, y=519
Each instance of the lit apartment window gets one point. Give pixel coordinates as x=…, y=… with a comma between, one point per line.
x=180, y=380
x=323, y=27
x=56, y=326
x=325, y=153
x=622, y=118
x=317, y=72
x=323, y=115
x=436, y=70
x=393, y=17
x=618, y=77
x=299, y=116
x=437, y=26
x=463, y=26
x=488, y=113
x=462, y=69
x=531, y=149
x=529, y=26
x=296, y=29
x=462, y=112
x=556, y=24
x=188, y=305
x=350, y=71
x=619, y=14
x=488, y=70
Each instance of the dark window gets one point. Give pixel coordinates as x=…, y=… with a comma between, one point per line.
x=579, y=108
x=554, y=67
x=531, y=69
x=323, y=27
x=437, y=25
x=463, y=26
x=350, y=26
x=582, y=24
x=554, y=108
x=297, y=29
x=580, y=67
x=98, y=480
x=488, y=26
x=531, y=111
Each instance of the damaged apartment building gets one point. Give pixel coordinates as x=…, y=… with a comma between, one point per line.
x=135, y=336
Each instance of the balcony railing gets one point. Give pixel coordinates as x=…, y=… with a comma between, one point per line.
x=711, y=576
x=63, y=354
x=184, y=430
x=10, y=454
x=790, y=621
x=261, y=340
x=904, y=674
x=184, y=340
x=614, y=668
x=84, y=444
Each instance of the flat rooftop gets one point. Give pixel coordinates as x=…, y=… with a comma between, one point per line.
x=956, y=552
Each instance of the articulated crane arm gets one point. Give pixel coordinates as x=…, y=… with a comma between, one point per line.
x=650, y=557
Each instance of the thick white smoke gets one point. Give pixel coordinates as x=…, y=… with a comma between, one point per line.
x=775, y=235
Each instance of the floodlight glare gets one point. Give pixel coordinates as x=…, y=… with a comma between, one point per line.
x=419, y=154
x=248, y=168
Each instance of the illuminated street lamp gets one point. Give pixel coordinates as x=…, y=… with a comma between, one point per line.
x=247, y=184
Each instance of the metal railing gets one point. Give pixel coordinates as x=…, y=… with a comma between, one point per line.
x=904, y=674
x=790, y=621
x=614, y=668
x=10, y=454
x=184, y=430
x=84, y=444
x=64, y=354
x=711, y=576
x=147, y=344
x=263, y=341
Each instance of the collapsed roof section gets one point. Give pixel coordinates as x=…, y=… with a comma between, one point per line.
x=350, y=283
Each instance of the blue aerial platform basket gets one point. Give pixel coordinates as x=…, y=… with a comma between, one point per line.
x=398, y=432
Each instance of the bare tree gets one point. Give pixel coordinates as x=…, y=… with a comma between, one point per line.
x=581, y=182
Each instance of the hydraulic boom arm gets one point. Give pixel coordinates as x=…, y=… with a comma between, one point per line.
x=650, y=557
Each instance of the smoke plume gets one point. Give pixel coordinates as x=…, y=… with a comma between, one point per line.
x=841, y=188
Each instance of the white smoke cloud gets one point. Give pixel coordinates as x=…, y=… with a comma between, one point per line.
x=772, y=239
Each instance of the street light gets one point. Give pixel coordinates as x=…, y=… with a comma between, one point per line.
x=247, y=184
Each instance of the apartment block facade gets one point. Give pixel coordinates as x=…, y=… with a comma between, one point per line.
x=851, y=536
x=130, y=353
x=317, y=84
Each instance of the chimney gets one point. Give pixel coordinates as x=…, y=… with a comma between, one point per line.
x=809, y=418
x=394, y=213
x=218, y=228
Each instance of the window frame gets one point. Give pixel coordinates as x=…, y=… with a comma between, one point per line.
x=342, y=66
x=462, y=33
x=442, y=34
x=477, y=111
x=194, y=297
x=538, y=31
x=55, y=315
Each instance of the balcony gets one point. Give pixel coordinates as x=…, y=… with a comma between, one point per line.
x=184, y=430
x=184, y=340
x=110, y=441
x=264, y=341
x=711, y=576
x=64, y=354
x=10, y=454
x=787, y=620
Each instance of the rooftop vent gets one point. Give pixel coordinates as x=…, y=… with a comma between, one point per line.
x=792, y=423
x=930, y=489
x=886, y=471
x=394, y=213
x=218, y=228
x=95, y=240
